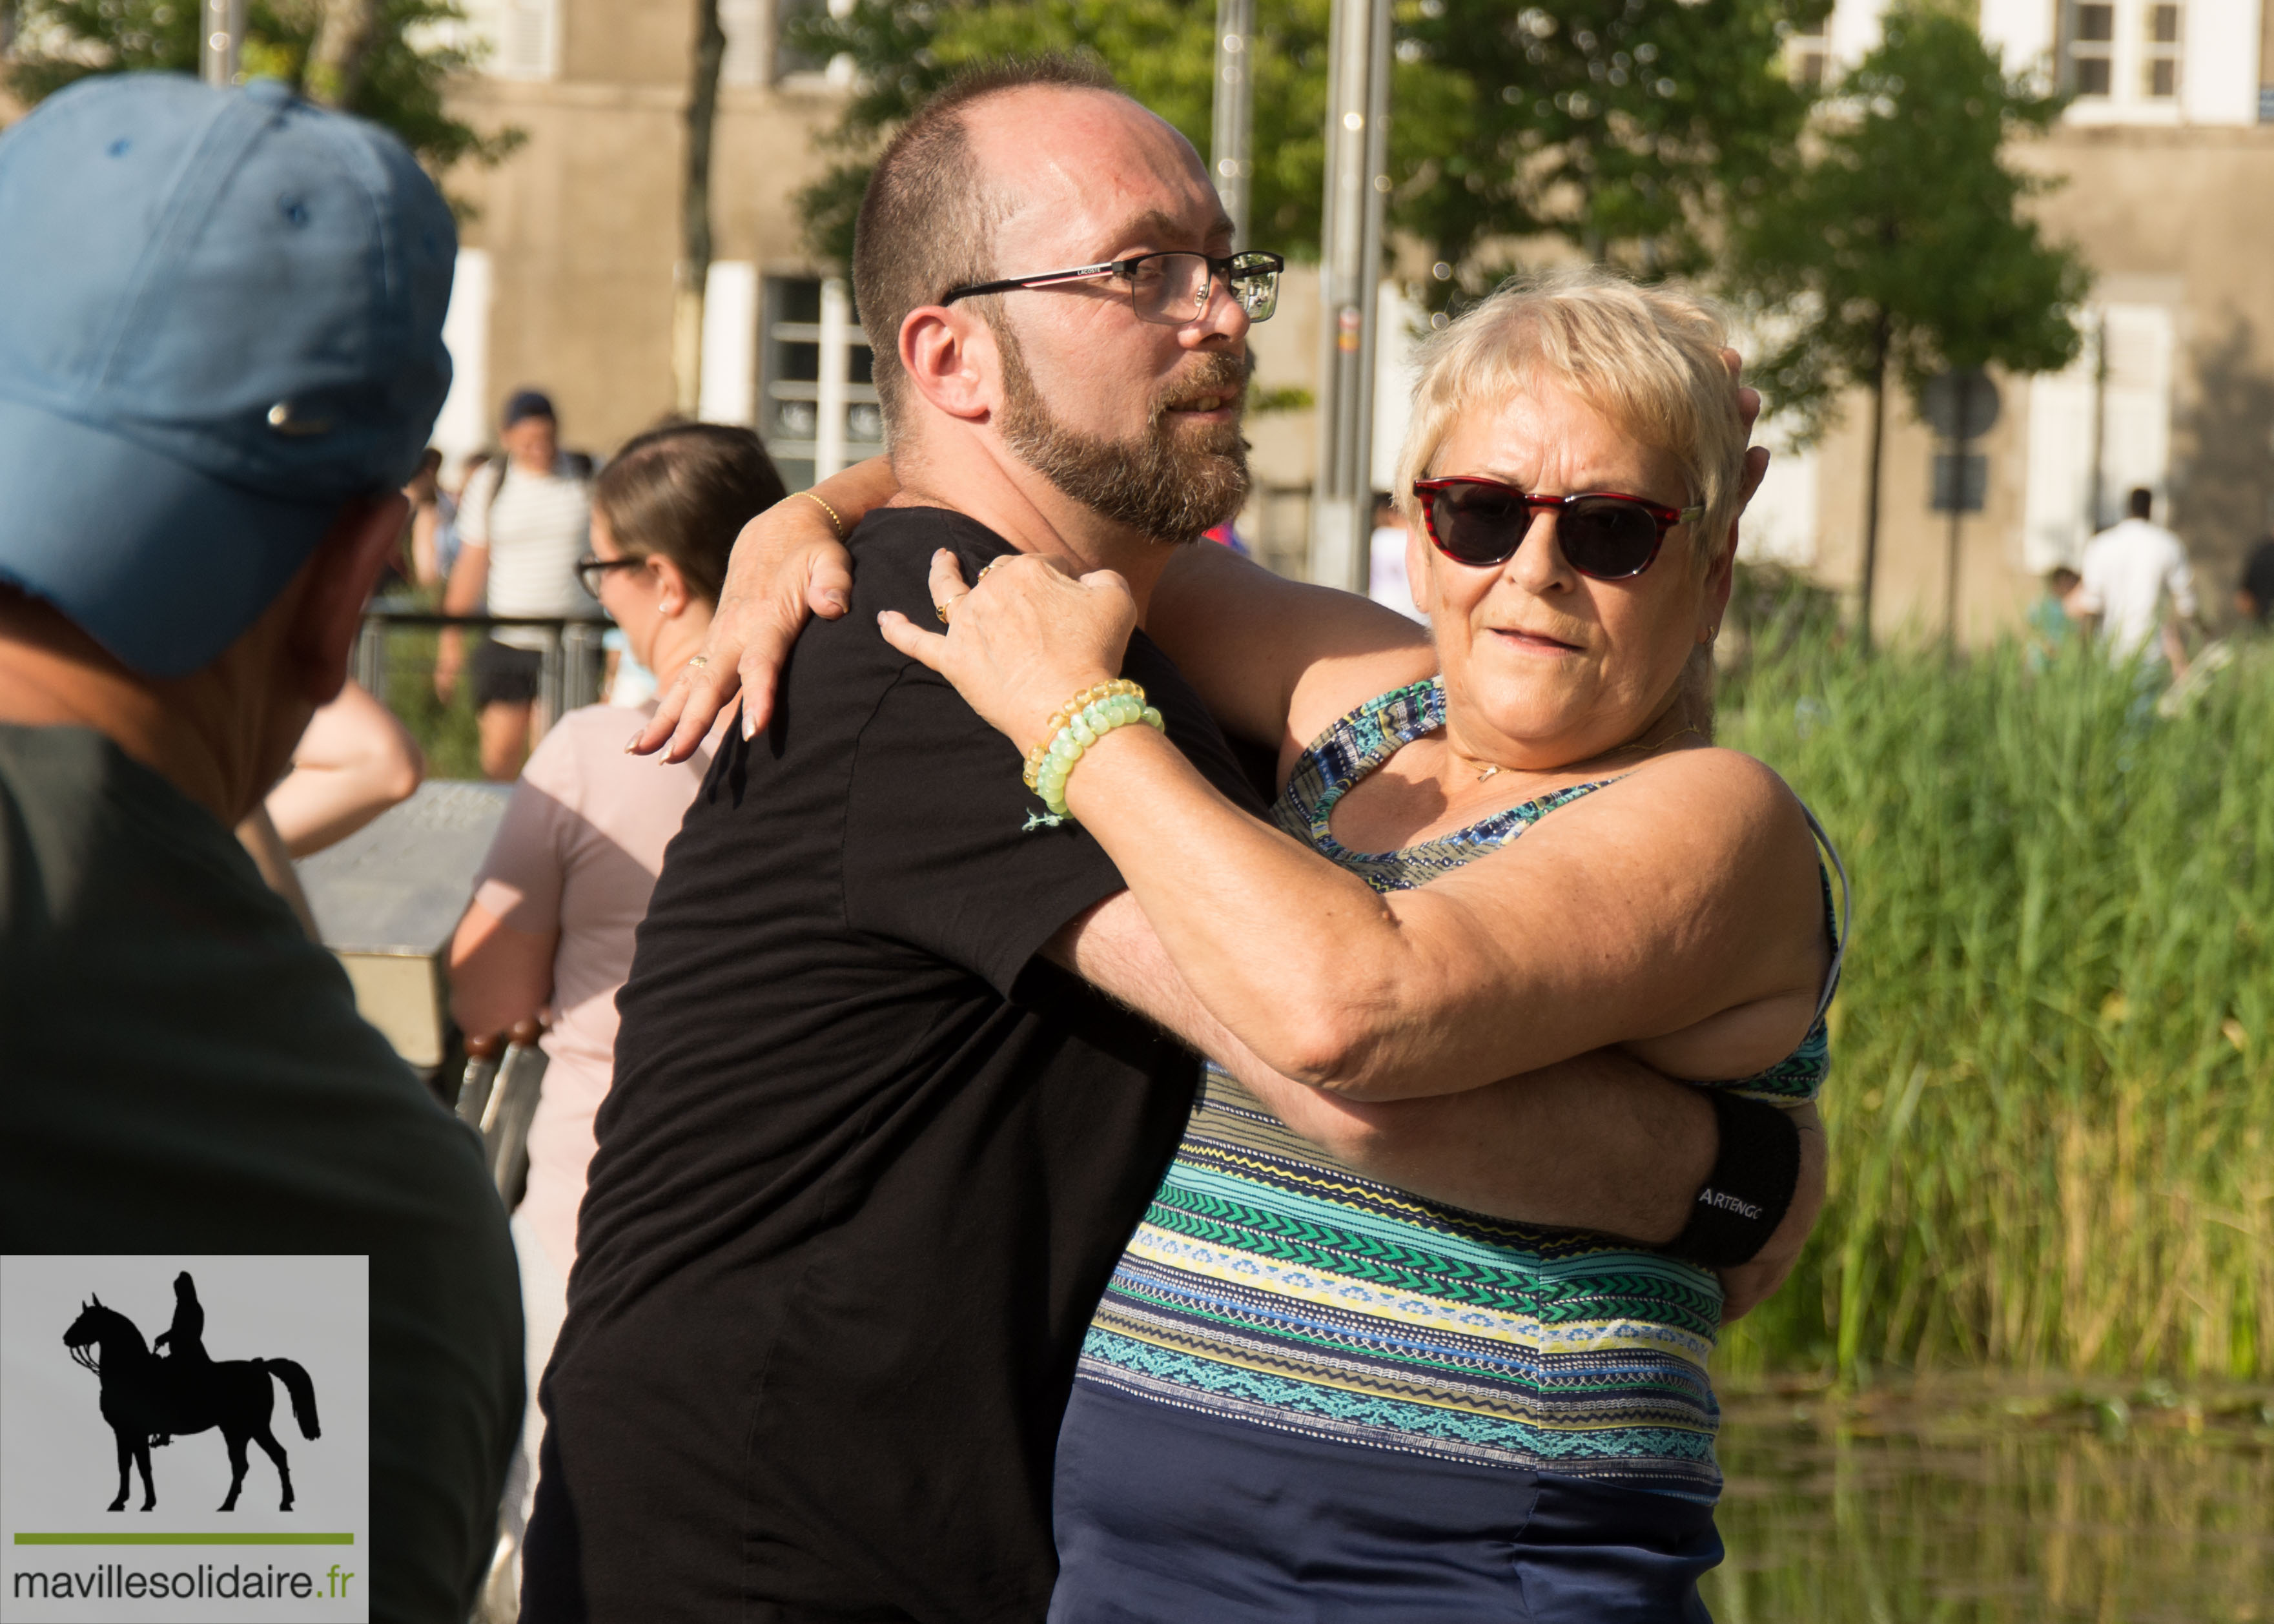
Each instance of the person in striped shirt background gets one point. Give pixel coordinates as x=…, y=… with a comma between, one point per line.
x=523, y=521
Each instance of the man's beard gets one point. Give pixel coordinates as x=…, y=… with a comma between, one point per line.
x=1155, y=486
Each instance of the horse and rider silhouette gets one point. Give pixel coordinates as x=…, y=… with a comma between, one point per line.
x=149, y=1399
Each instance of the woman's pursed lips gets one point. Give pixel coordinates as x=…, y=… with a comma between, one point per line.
x=1532, y=641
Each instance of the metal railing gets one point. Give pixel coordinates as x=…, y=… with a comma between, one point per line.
x=569, y=677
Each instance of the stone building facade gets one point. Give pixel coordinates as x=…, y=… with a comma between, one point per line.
x=2164, y=162
x=2165, y=159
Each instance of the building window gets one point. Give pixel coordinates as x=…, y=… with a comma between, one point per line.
x=524, y=36
x=1807, y=55
x=2163, y=65
x=804, y=326
x=2091, y=50
x=744, y=24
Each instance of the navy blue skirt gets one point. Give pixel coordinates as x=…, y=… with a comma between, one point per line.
x=1166, y=1516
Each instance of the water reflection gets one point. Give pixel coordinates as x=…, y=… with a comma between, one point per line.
x=2008, y=1508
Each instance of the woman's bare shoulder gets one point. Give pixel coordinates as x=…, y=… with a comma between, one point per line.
x=1336, y=684
x=1672, y=821
x=1748, y=782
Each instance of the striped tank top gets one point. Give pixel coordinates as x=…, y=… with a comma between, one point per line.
x=1272, y=1286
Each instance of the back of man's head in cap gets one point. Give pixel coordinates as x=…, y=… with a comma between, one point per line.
x=221, y=353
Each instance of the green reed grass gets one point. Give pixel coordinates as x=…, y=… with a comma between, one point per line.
x=2052, y=1084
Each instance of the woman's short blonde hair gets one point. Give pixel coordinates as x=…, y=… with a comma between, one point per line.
x=1649, y=359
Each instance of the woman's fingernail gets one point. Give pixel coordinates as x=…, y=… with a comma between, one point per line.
x=750, y=727
x=836, y=601
x=632, y=743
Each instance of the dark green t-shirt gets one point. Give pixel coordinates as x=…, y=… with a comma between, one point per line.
x=183, y=1071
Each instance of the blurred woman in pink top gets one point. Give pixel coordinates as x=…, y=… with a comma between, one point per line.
x=569, y=875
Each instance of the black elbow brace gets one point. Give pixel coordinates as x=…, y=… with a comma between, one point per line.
x=1755, y=1170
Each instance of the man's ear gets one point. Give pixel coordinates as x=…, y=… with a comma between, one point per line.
x=952, y=361
x=341, y=573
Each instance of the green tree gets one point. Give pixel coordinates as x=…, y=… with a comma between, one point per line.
x=694, y=274
x=390, y=64
x=1896, y=249
x=1625, y=125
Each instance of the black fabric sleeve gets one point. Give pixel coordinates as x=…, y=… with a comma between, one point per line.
x=937, y=849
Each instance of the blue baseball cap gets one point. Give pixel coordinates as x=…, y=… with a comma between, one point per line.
x=220, y=318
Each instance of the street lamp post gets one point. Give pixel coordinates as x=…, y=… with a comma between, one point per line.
x=224, y=42
x=1228, y=135
x=1350, y=271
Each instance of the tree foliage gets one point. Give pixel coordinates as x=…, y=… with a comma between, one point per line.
x=409, y=57
x=1627, y=126
x=1897, y=247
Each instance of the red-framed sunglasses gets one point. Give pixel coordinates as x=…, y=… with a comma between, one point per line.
x=1603, y=534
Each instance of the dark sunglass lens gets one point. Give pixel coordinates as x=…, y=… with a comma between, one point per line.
x=1476, y=527
x=1605, y=537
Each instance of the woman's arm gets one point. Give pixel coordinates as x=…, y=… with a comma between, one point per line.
x=499, y=976
x=1242, y=636
x=354, y=762
x=1687, y=891
x=1600, y=1142
x=1248, y=641
x=789, y=563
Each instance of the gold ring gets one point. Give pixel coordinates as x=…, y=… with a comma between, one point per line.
x=994, y=564
x=942, y=609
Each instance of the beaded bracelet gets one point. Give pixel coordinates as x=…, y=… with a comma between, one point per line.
x=1064, y=713
x=1083, y=721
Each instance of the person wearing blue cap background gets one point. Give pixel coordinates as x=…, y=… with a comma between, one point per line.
x=220, y=355
x=523, y=521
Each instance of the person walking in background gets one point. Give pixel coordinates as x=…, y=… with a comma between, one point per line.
x=2138, y=584
x=2053, y=623
x=523, y=524
x=568, y=874
x=204, y=470
x=2253, y=595
x=447, y=501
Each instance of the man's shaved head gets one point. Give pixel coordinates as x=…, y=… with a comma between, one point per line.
x=927, y=219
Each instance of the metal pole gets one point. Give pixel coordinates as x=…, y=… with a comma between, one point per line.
x=836, y=355
x=1235, y=104
x=224, y=42
x=1958, y=442
x=2096, y=334
x=1350, y=264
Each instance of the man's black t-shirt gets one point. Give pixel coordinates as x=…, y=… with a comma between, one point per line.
x=866, y=1166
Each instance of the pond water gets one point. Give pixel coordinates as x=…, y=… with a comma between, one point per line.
x=1998, y=1508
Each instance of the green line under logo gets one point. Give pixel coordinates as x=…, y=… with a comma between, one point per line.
x=184, y=1539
